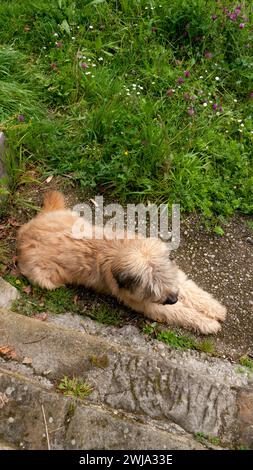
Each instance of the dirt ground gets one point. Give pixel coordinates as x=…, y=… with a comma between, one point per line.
x=221, y=265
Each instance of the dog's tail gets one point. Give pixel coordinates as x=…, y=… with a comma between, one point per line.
x=53, y=201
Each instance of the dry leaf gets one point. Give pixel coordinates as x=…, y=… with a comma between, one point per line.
x=13, y=222
x=15, y=272
x=49, y=179
x=43, y=316
x=27, y=360
x=94, y=202
x=8, y=352
x=27, y=289
x=3, y=400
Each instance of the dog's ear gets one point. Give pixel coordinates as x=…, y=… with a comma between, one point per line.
x=126, y=280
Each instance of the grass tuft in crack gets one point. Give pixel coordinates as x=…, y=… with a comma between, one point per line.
x=74, y=387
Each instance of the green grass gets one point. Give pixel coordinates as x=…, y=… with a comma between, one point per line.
x=249, y=224
x=204, y=438
x=35, y=300
x=178, y=341
x=105, y=314
x=206, y=346
x=246, y=362
x=74, y=387
x=114, y=126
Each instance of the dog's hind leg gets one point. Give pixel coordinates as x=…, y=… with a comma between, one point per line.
x=44, y=278
x=177, y=314
x=196, y=298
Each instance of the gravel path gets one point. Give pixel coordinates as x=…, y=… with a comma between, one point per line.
x=224, y=267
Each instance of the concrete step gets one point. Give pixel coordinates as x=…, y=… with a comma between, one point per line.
x=8, y=294
x=131, y=375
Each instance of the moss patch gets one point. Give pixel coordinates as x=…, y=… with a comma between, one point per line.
x=100, y=361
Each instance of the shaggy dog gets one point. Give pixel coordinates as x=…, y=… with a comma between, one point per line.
x=138, y=272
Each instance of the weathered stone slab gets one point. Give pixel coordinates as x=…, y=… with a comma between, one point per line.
x=93, y=426
x=8, y=294
x=245, y=416
x=6, y=446
x=197, y=392
x=69, y=424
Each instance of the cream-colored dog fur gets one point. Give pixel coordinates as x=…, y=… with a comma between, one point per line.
x=137, y=272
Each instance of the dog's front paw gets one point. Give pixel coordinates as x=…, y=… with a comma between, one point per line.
x=220, y=312
x=209, y=327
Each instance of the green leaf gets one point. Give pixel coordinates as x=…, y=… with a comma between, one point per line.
x=65, y=27
x=95, y=2
x=218, y=230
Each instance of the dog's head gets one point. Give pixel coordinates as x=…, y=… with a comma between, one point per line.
x=144, y=269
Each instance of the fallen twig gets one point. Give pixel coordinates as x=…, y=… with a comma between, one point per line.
x=45, y=422
x=35, y=341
